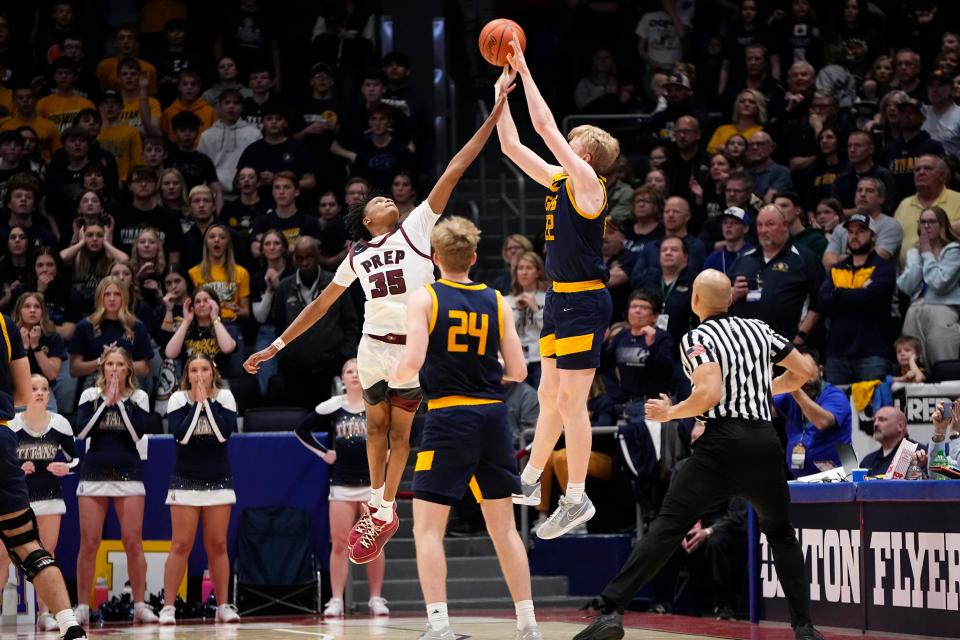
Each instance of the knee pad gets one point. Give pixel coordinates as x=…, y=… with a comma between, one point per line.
x=37, y=560
x=405, y=399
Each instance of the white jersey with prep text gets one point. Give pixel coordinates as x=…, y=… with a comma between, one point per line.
x=389, y=268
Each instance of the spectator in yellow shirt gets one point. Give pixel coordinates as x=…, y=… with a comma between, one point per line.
x=120, y=139
x=140, y=111
x=25, y=114
x=189, y=88
x=62, y=106
x=108, y=70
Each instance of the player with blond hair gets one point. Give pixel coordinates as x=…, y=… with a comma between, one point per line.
x=578, y=306
x=457, y=330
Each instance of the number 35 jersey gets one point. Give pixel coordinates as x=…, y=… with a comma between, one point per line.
x=463, y=351
x=389, y=267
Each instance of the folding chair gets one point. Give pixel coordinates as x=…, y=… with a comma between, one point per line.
x=275, y=568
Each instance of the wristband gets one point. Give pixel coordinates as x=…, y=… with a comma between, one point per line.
x=278, y=343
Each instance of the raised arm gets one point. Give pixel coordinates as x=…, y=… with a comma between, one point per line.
x=458, y=165
x=799, y=369
x=587, y=189
x=536, y=168
x=306, y=319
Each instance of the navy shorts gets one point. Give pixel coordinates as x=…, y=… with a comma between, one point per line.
x=13, y=483
x=573, y=327
x=466, y=447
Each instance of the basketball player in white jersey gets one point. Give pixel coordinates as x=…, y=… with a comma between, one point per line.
x=391, y=259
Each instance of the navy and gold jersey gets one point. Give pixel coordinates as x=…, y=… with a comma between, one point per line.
x=462, y=366
x=573, y=238
x=11, y=348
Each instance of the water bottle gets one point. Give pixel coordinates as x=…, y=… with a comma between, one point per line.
x=206, y=587
x=940, y=460
x=914, y=472
x=101, y=593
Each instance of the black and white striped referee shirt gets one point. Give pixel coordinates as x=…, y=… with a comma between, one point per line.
x=746, y=350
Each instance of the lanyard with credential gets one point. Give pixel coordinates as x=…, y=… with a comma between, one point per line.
x=665, y=291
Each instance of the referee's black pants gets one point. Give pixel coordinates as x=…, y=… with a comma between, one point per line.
x=732, y=457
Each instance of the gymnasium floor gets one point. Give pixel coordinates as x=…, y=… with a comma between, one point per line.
x=556, y=625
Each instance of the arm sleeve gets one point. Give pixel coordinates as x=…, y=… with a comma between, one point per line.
x=942, y=275
x=838, y=241
x=15, y=349
x=345, y=275
x=696, y=349
x=780, y=347
x=891, y=238
x=135, y=411
x=735, y=519
x=181, y=414
x=142, y=349
x=305, y=432
x=88, y=411
x=67, y=444
x=419, y=225
x=912, y=277
x=222, y=413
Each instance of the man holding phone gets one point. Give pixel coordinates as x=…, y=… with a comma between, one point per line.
x=889, y=429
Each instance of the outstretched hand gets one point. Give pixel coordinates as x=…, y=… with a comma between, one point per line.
x=252, y=365
x=517, y=59
x=501, y=94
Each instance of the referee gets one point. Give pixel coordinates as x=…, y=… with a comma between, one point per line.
x=729, y=360
x=18, y=524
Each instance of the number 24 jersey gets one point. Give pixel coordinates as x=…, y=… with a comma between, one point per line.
x=389, y=267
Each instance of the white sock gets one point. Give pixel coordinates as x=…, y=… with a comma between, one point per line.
x=530, y=475
x=84, y=608
x=437, y=616
x=139, y=605
x=376, y=497
x=575, y=492
x=525, y=617
x=385, y=512
x=66, y=619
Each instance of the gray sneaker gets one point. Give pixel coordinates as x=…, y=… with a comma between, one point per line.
x=529, y=633
x=432, y=634
x=567, y=516
x=529, y=494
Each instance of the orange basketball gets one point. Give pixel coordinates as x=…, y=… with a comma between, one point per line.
x=495, y=40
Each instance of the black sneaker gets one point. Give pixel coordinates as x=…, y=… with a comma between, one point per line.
x=75, y=632
x=606, y=626
x=806, y=632
x=724, y=613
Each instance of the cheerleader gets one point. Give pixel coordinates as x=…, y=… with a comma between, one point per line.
x=41, y=435
x=113, y=415
x=201, y=416
x=344, y=419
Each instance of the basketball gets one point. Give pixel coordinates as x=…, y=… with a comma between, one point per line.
x=495, y=40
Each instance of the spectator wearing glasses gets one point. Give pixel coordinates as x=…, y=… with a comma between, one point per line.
x=930, y=180
x=769, y=178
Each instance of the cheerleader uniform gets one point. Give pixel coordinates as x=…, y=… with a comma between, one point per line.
x=347, y=430
x=46, y=496
x=201, y=470
x=111, y=466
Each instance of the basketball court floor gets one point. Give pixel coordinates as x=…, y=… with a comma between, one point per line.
x=556, y=625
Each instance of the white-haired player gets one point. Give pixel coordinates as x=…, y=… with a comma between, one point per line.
x=391, y=259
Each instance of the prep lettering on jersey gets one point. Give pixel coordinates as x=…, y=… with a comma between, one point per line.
x=391, y=256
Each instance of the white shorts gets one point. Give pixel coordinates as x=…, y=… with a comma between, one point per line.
x=48, y=507
x=341, y=493
x=376, y=359
x=194, y=498
x=110, y=488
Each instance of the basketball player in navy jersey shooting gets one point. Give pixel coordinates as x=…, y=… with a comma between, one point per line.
x=18, y=523
x=578, y=306
x=456, y=332
x=390, y=259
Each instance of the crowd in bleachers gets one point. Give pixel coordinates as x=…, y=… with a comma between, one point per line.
x=179, y=193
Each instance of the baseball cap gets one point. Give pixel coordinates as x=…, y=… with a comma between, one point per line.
x=678, y=78
x=940, y=75
x=860, y=218
x=738, y=213
x=322, y=67
x=910, y=103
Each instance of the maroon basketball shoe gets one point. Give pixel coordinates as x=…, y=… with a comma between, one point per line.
x=371, y=542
